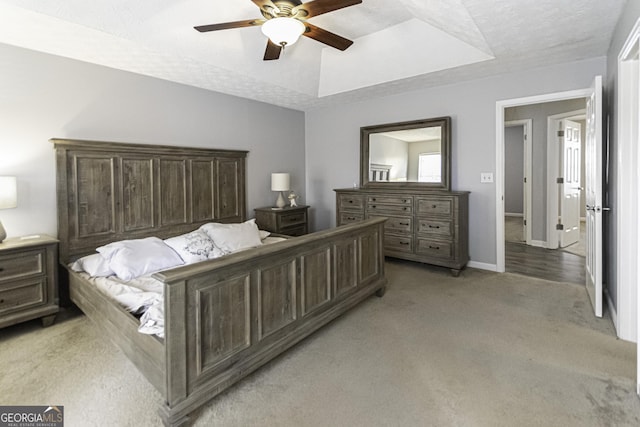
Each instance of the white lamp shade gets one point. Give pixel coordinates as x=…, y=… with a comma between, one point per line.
x=279, y=181
x=8, y=192
x=283, y=31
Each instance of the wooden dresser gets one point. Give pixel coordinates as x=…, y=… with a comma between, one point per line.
x=429, y=226
x=28, y=280
x=291, y=221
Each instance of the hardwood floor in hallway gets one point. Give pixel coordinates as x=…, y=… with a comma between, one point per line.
x=556, y=265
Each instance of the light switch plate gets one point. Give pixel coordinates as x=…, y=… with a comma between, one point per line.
x=486, y=177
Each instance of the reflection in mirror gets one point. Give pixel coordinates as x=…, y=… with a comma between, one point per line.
x=406, y=154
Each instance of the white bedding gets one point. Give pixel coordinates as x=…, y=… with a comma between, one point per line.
x=142, y=296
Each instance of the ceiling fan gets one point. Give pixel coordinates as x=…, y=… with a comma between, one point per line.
x=286, y=20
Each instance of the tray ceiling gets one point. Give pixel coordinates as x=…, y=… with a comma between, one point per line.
x=398, y=46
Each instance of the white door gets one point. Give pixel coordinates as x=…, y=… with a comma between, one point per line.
x=593, y=176
x=570, y=190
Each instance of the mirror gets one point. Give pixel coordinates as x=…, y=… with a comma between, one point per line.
x=413, y=154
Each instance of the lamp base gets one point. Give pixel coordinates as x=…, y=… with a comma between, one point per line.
x=3, y=234
x=280, y=203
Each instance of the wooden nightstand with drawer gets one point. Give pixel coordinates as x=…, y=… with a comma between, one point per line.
x=28, y=279
x=289, y=221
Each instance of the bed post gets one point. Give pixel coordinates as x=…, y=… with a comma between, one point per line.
x=175, y=344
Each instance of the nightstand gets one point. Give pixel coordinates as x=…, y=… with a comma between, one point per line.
x=289, y=221
x=28, y=279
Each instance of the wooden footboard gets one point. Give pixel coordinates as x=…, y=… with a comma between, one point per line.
x=225, y=318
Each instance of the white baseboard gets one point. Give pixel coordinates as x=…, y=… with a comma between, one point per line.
x=518, y=215
x=539, y=243
x=482, y=266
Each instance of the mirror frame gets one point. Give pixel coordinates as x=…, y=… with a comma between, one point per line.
x=443, y=122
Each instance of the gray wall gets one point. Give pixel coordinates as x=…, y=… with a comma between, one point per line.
x=628, y=18
x=44, y=96
x=513, y=169
x=471, y=105
x=390, y=151
x=539, y=113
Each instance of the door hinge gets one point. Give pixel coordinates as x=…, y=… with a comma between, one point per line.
x=560, y=181
x=559, y=227
x=525, y=222
x=525, y=179
x=560, y=134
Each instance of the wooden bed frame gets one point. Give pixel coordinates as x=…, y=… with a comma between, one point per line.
x=226, y=317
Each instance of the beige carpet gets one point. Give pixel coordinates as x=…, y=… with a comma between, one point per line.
x=484, y=349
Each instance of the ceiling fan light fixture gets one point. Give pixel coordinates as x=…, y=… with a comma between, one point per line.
x=283, y=31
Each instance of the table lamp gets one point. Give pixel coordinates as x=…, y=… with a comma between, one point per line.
x=8, y=198
x=280, y=183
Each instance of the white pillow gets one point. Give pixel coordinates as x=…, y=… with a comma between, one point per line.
x=264, y=234
x=194, y=246
x=233, y=237
x=133, y=258
x=95, y=265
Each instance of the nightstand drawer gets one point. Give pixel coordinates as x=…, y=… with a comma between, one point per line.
x=22, y=294
x=296, y=230
x=18, y=265
x=293, y=218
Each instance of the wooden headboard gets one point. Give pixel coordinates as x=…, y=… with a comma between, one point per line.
x=112, y=191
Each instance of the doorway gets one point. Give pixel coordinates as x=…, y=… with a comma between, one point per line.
x=530, y=170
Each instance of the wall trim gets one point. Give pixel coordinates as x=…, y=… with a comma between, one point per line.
x=482, y=266
x=512, y=214
x=539, y=244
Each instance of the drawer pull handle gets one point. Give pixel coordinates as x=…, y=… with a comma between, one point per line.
x=373, y=200
x=434, y=247
x=404, y=209
x=373, y=207
x=434, y=226
x=350, y=201
x=403, y=223
x=1, y=301
x=1, y=269
x=405, y=201
x=404, y=243
x=351, y=218
x=434, y=206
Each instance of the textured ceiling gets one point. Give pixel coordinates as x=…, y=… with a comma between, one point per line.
x=398, y=46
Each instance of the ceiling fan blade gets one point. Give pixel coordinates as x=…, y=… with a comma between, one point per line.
x=228, y=25
x=318, y=7
x=272, y=52
x=326, y=37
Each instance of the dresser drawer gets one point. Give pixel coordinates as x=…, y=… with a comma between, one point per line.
x=435, y=206
x=435, y=248
x=396, y=224
x=375, y=208
x=398, y=244
x=442, y=229
x=406, y=201
x=349, y=217
x=21, y=294
x=15, y=265
x=351, y=202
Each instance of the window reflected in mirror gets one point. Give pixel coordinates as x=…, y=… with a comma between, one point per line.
x=412, y=155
